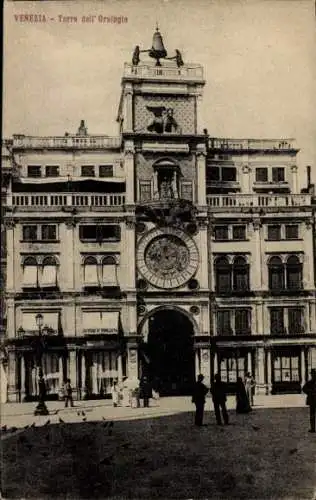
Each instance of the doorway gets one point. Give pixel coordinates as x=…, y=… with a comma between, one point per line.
x=167, y=358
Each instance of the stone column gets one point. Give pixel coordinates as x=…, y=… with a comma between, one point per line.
x=260, y=371
x=249, y=362
x=12, y=377
x=215, y=363
x=83, y=376
x=119, y=368
x=269, y=372
x=206, y=365
x=197, y=362
x=256, y=281
x=72, y=370
x=129, y=152
x=132, y=360
x=128, y=114
x=303, y=366
x=23, y=373
x=130, y=255
x=201, y=174
x=68, y=264
x=294, y=171
x=155, y=184
x=10, y=255
x=308, y=264
x=61, y=376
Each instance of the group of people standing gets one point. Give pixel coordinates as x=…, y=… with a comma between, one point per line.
x=131, y=392
x=244, y=398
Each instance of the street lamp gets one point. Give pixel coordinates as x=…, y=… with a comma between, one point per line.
x=41, y=408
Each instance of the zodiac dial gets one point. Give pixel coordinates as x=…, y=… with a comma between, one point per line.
x=167, y=258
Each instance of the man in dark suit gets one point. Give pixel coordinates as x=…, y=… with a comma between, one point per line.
x=218, y=391
x=310, y=389
x=198, y=398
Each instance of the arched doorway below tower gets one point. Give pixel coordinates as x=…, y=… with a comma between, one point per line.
x=167, y=358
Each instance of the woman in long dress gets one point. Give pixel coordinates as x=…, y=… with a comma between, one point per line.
x=242, y=401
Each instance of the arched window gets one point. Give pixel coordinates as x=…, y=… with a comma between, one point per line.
x=91, y=271
x=49, y=273
x=30, y=273
x=293, y=273
x=109, y=277
x=223, y=275
x=276, y=274
x=240, y=274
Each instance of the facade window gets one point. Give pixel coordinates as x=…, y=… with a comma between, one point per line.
x=29, y=233
x=221, y=174
x=223, y=275
x=52, y=171
x=291, y=232
x=48, y=232
x=239, y=233
x=286, y=369
x=240, y=274
x=274, y=233
x=34, y=171
x=261, y=174
x=106, y=171
x=228, y=174
x=187, y=191
x=213, y=174
x=295, y=320
x=49, y=272
x=223, y=323
x=277, y=320
x=293, y=273
x=221, y=233
x=30, y=273
x=276, y=274
x=278, y=174
x=87, y=171
x=101, y=232
x=109, y=277
x=242, y=321
x=91, y=271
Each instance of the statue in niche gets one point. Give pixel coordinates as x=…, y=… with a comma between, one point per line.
x=166, y=191
x=163, y=120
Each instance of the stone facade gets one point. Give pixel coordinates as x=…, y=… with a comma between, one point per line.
x=162, y=251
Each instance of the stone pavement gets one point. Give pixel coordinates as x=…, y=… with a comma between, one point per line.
x=21, y=414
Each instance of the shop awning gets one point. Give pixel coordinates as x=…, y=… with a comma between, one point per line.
x=100, y=322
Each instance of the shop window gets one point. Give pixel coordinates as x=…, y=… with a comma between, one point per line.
x=221, y=233
x=293, y=273
x=29, y=233
x=30, y=273
x=291, y=232
x=106, y=171
x=231, y=368
x=48, y=232
x=52, y=171
x=91, y=271
x=240, y=274
x=278, y=174
x=239, y=233
x=286, y=369
x=49, y=272
x=276, y=274
x=87, y=171
x=274, y=233
x=277, y=320
x=34, y=171
x=261, y=174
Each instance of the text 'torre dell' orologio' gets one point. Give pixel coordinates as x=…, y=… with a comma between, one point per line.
x=167, y=258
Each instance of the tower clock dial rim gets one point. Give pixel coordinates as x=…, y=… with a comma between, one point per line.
x=167, y=257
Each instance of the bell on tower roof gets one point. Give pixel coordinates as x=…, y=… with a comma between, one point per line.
x=157, y=50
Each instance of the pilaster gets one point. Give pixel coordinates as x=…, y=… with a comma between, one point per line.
x=129, y=152
x=201, y=174
x=12, y=377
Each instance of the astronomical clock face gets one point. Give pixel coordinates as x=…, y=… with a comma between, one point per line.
x=167, y=258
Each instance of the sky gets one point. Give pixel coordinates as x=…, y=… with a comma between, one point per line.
x=259, y=59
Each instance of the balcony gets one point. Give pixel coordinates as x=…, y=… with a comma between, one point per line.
x=275, y=145
x=256, y=200
x=66, y=142
x=55, y=201
x=168, y=71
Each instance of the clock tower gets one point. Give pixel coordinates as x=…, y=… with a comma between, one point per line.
x=165, y=153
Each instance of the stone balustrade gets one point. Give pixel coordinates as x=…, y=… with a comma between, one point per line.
x=252, y=144
x=66, y=141
x=56, y=200
x=259, y=200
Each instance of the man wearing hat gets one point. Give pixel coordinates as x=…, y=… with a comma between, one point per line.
x=310, y=389
x=198, y=398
